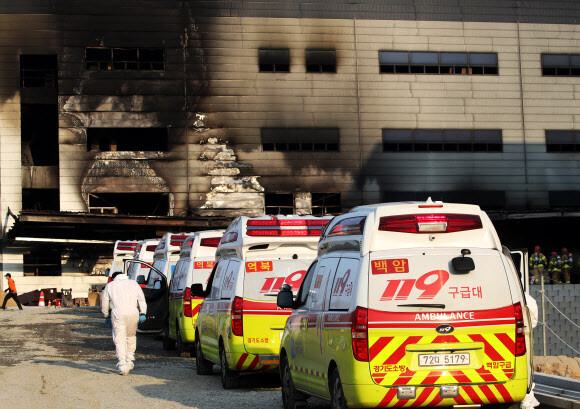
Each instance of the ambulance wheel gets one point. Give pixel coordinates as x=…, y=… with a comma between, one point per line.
x=291, y=398
x=503, y=406
x=337, y=399
x=202, y=365
x=230, y=379
x=182, y=349
x=168, y=343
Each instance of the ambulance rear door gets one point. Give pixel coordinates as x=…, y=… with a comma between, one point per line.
x=263, y=321
x=431, y=324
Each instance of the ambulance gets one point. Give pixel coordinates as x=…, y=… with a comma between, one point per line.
x=156, y=285
x=408, y=305
x=123, y=250
x=195, y=264
x=239, y=326
x=167, y=252
x=143, y=252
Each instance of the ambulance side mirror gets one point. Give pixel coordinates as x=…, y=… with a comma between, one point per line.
x=463, y=265
x=141, y=280
x=197, y=290
x=285, y=298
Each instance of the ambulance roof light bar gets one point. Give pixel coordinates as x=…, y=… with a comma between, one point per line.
x=285, y=227
x=177, y=239
x=430, y=223
x=127, y=245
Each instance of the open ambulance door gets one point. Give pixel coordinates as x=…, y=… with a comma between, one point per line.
x=520, y=258
x=157, y=297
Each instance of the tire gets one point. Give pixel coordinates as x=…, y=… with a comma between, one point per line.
x=168, y=343
x=291, y=398
x=337, y=399
x=183, y=350
x=202, y=365
x=230, y=379
x=513, y=405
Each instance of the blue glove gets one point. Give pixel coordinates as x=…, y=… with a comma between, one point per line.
x=108, y=323
x=142, y=318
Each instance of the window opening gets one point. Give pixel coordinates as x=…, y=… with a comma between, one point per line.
x=562, y=141
x=325, y=203
x=39, y=134
x=274, y=60
x=127, y=139
x=124, y=59
x=320, y=61
x=415, y=62
x=42, y=262
x=38, y=71
x=40, y=199
x=279, y=203
x=442, y=140
x=566, y=65
x=300, y=139
x=139, y=204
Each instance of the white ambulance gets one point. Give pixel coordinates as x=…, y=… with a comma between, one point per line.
x=408, y=304
x=239, y=326
x=143, y=252
x=123, y=250
x=195, y=264
x=167, y=252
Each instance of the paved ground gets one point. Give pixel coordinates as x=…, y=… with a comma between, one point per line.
x=65, y=358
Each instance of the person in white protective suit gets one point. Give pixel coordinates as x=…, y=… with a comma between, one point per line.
x=128, y=307
x=530, y=400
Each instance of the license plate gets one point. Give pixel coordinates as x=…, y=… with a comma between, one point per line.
x=443, y=359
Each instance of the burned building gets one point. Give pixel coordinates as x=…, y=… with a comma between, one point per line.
x=127, y=121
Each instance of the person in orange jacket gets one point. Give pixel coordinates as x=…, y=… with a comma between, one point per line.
x=12, y=293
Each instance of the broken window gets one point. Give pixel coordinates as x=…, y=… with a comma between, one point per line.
x=39, y=134
x=123, y=59
x=486, y=199
x=415, y=62
x=138, y=204
x=279, y=203
x=38, y=71
x=442, y=140
x=300, y=139
x=40, y=199
x=320, y=61
x=325, y=203
x=127, y=139
x=42, y=262
x=274, y=60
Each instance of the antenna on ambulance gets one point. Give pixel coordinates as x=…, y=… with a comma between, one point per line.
x=429, y=201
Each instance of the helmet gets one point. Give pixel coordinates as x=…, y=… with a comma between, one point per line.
x=554, y=253
x=537, y=248
x=564, y=250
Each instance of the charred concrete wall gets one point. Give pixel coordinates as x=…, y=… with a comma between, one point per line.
x=361, y=102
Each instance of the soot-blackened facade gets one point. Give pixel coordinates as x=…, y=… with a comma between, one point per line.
x=220, y=108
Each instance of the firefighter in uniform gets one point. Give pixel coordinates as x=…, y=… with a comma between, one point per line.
x=555, y=268
x=567, y=260
x=537, y=263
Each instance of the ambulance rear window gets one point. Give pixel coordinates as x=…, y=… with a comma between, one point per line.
x=400, y=281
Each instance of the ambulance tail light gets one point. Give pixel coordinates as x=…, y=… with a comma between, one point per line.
x=237, y=316
x=178, y=239
x=520, y=330
x=430, y=223
x=210, y=242
x=360, y=334
x=187, y=303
